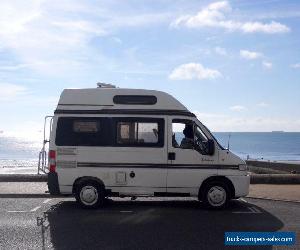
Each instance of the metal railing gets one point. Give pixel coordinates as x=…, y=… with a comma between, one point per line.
x=43, y=158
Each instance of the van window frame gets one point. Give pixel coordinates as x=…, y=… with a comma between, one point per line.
x=161, y=131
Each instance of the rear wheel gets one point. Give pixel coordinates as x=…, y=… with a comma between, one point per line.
x=90, y=194
x=216, y=195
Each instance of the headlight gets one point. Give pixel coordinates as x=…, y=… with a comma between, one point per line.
x=243, y=167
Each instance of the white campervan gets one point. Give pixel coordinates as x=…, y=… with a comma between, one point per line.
x=134, y=142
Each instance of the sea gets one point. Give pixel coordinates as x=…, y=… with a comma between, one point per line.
x=270, y=146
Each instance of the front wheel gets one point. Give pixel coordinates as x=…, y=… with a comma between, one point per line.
x=90, y=194
x=216, y=195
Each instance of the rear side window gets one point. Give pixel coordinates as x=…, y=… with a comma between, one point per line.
x=72, y=131
x=139, y=132
x=86, y=126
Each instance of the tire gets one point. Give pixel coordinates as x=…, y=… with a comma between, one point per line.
x=90, y=194
x=216, y=195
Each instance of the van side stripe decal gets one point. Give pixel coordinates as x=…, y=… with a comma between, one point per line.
x=163, y=166
x=84, y=104
x=126, y=186
x=127, y=111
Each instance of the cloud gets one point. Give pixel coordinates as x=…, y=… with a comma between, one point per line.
x=191, y=71
x=10, y=91
x=37, y=35
x=215, y=15
x=295, y=66
x=267, y=65
x=269, y=28
x=250, y=55
x=220, y=51
x=117, y=40
x=21, y=95
x=263, y=104
x=238, y=108
x=79, y=26
x=61, y=36
x=12, y=67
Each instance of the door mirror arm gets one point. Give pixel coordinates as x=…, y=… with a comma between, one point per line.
x=211, y=146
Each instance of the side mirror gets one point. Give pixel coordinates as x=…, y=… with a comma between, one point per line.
x=210, y=147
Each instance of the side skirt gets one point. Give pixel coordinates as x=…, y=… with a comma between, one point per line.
x=156, y=194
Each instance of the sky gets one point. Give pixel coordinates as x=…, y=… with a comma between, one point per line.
x=235, y=64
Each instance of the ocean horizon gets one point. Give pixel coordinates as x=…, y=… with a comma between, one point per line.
x=273, y=146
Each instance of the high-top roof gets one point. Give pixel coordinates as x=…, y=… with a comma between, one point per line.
x=117, y=98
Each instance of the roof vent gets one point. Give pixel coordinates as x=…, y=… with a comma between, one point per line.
x=105, y=85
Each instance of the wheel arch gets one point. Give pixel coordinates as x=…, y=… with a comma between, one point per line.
x=82, y=179
x=222, y=179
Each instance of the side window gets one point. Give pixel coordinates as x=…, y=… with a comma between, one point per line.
x=139, y=132
x=199, y=135
x=182, y=134
x=201, y=141
x=81, y=131
x=187, y=135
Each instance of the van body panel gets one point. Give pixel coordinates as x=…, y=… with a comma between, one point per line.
x=143, y=169
x=94, y=99
x=66, y=189
x=241, y=185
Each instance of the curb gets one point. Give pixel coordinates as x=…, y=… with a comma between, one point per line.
x=275, y=179
x=271, y=199
x=23, y=178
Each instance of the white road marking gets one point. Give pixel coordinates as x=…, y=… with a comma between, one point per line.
x=242, y=212
x=125, y=211
x=46, y=201
x=256, y=210
x=35, y=209
x=253, y=210
x=13, y=211
x=241, y=199
x=24, y=211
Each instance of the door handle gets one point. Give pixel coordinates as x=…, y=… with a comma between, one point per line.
x=171, y=156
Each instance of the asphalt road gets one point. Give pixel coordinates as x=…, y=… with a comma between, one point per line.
x=40, y=222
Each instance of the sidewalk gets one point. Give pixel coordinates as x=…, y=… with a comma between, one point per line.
x=267, y=191
x=276, y=192
x=23, y=188
x=16, y=171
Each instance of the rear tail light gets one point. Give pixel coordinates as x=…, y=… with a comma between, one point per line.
x=52, y=161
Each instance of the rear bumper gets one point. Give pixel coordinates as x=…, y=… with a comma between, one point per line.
x=241, y=185
x=53, y=185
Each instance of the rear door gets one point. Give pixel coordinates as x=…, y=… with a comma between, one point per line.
x=188, y=164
